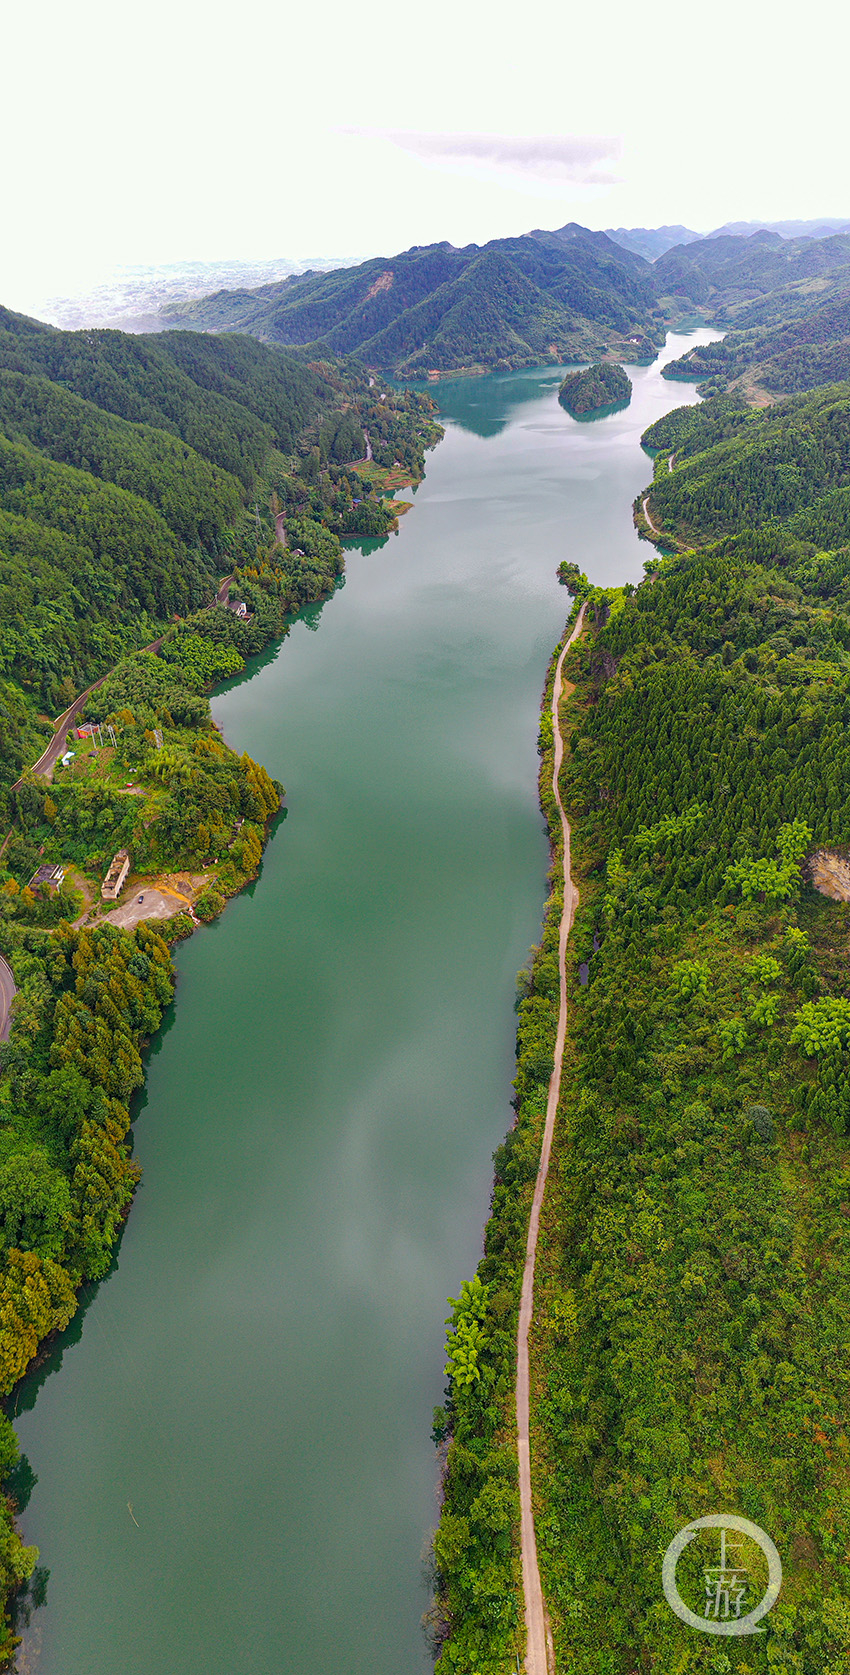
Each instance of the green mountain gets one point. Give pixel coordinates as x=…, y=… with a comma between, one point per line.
x=810, y=348
x=229, y=401
x=723, y=272
x=570, y=294
x=135, y=470
x=783, y=471
x=651, y=242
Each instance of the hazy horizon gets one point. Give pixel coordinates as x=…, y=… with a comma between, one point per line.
x=129, y=294
x=189, y=137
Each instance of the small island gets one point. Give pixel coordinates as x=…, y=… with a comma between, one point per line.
x=597, y=388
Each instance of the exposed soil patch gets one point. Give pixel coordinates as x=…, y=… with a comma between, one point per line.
x=829, y=872
x=383, y=283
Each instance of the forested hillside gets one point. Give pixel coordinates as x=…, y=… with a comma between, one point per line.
x=692, y=1352
x=726, y=270
x=784, y=472
x=135, y=471
x=548, y=296
x=797, y=353
x=690, y=1348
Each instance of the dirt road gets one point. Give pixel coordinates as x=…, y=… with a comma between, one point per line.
x=646, y=513
x=539, y=1656
x=56, y=748
x=7, y=995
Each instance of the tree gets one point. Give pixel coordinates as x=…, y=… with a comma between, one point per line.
x=35, y=1204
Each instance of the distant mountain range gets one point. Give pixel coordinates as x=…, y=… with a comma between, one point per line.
x=567, y=295
x=785, y=229
x=651, y=242
x=726, y=271
x=570, y=295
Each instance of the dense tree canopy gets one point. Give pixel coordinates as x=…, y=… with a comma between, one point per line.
x=597, y=387
x=690, y=1342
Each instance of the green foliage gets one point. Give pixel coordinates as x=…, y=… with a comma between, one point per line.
x=690, y=978
x=689, y=1294
x=514, y=302
x=35, y=1204
x=198, y=661
x=208, y=905
x=733, y=1037
x=823, y=1025
x=738, y=471
x=466, y=1338
x=762, y=1121
x=573, y=579
x=146, y=685
x=597, y=387
x=115, y=1001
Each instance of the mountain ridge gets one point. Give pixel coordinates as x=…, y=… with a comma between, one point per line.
x=545, y=295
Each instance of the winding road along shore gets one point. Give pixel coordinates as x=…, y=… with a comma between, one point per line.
x=7, y=995
x=539, y=1654
x=646, y=513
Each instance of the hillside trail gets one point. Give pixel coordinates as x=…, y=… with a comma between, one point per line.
x=646, y=513
x=539, y=1655
x=48, y=759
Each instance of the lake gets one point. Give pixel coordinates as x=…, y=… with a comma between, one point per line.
x=235, y=1473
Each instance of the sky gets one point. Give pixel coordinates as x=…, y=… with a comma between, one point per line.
x=179, y=131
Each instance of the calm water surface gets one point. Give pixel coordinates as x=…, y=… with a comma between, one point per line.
x=255, y=1378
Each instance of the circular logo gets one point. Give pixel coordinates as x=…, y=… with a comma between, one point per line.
x=725, y=1582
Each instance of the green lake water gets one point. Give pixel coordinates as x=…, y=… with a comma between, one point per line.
x=256, y=1376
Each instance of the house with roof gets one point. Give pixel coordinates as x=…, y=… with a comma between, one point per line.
x=47, y=878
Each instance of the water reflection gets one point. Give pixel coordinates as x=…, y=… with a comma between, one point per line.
x=598, y=413
x=470, y=403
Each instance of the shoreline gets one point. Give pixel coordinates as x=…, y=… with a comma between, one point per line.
x=539, y=1640
x=176, y=927
x=472, y=1423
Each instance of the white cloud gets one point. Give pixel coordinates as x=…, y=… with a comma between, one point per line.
x=173, y=132
x=562, y=160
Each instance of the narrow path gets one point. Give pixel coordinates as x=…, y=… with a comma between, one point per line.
x=539, y=1658
x=7, y=995
x=48, y=759
x=645, y=509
